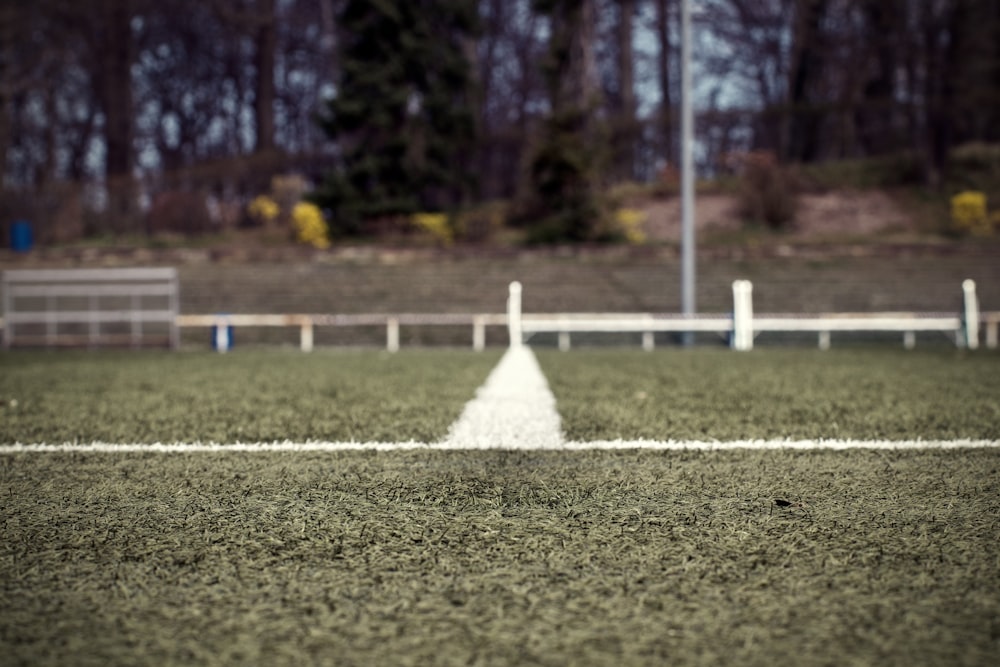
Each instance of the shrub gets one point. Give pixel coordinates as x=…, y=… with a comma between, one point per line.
x=310, y=227
x=435, y=224
x=263, y=210
x=629, y=222
x=765, y=191
x=969, y=215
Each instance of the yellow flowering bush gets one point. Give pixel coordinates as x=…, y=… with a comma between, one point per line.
x=968, y=213
x=630, y=221
x=435, y=224
x=263, y=209
x=310, y=227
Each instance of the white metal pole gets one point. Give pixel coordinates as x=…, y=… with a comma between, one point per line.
x=688, y=305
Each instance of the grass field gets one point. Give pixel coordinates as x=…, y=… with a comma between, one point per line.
x=493, y=557
x=702, y=394
x=866, y=393
x=246, y=396
x=501, y=558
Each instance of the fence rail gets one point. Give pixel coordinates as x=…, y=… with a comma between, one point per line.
x=220, y=324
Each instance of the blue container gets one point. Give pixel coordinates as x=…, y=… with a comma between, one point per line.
x=222, y=337
x=21, y=237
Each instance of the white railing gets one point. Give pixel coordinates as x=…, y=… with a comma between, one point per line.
x=221, y=324
x=740, y=327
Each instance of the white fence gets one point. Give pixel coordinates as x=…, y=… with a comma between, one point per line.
x=740, y=327
x=220, y=324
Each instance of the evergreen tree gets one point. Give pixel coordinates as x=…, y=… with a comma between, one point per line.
x=402, y=117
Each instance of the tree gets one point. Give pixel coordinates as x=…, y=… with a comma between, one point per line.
x=625, y=125
x=565, y=168
x=806, y=90
x=665, y=78
x=111, y=38
x=511, y=92
x=402, y=117
x=264, y=99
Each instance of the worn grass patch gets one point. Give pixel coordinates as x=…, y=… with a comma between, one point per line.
x=715, y=394
x=248, y=395
x=501, y=558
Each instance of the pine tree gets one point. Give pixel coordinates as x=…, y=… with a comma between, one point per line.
x=402, y=118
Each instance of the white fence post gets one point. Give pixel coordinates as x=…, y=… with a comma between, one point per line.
x=392, y=334
x=222, y=342
x=478, y=333
x=514, y=315
x=306, y=335
x=742, y=315
x=971, y=320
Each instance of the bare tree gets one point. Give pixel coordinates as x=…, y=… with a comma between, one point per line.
x=665, y=77
x=264, y=61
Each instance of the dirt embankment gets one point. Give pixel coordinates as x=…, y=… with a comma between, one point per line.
x=818, y=216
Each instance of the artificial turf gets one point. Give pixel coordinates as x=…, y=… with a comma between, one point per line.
x=866, y=393
x=501, y=558
x=255, y=395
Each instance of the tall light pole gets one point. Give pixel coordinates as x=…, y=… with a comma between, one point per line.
x=688, y=306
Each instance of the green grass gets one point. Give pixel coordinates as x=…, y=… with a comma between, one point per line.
x=716, y=394
x=501, y=558
x=246, y=396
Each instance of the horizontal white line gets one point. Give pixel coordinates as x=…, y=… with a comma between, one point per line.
x=174, y=448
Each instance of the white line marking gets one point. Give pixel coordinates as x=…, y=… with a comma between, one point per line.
x=668, y=445
x=513, y=409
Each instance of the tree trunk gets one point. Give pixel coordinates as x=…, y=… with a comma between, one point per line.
x=115, y=93
x=663, y=72
x=875, y=123
x=803, y=120
x=575, y=80
x=264, y=61
x=626, y=125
